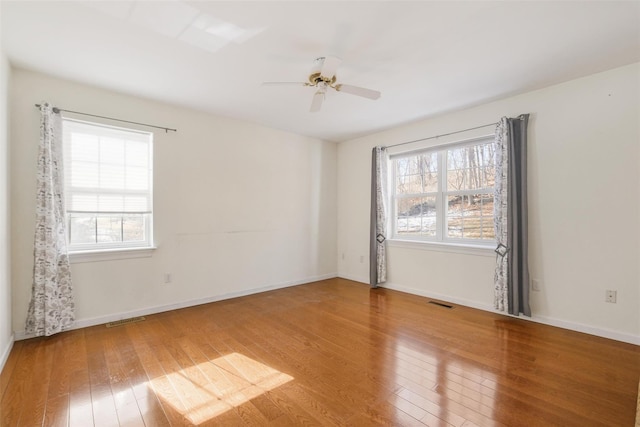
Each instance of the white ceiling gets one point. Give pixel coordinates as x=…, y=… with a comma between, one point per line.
x=425, y=57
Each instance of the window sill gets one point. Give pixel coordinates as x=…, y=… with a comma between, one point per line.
x=110, y=254
x=458, y=248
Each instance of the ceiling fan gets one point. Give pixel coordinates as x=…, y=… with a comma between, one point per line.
x=323, y=77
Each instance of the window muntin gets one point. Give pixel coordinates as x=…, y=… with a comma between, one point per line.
x=108, y=186
x=445, y=194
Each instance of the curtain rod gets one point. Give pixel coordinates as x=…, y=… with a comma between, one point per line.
x=438, y=136
x=58, y=110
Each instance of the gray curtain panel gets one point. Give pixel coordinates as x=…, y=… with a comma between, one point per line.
x=378, y=228
x=51, y=308
x=511, y=217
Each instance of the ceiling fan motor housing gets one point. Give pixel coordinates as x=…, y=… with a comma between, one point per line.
x=316, y=78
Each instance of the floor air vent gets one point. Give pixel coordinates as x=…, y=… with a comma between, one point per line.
x=441, y=304
x=125, y=321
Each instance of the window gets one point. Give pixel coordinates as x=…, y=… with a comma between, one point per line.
x=445, y=194
x=108, y=186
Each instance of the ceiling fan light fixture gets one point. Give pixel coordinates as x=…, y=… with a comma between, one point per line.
x=318, y=63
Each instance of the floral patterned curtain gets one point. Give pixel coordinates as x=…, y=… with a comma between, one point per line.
x=510, y=212
x=51, y=308
x=377, y=242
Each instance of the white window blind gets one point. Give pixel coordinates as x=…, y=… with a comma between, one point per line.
x=108, y=185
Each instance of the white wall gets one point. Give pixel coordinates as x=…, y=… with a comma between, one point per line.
x=238, y=207
x=584, y=188
x=268, y=215
x=6, y=334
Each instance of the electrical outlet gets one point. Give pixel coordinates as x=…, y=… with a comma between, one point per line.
x=611, y=296
x=535, y=285
x=343, y=256
x=361, y=259
x=167, y=277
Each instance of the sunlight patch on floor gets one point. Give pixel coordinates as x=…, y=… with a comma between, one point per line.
x=204, y=391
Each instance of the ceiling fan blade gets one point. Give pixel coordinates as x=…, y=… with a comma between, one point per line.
x=330, y=66
x=316, y=103
x=284, y=84
x=359, y=91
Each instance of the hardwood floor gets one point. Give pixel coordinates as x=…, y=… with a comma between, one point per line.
x=328, y=353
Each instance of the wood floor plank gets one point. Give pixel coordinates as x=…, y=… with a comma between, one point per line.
x=15, y=394
x=79, y=387
x=384, y=414
x=37, y=392
x=134, y=384
x=103, y=404
x=117, y=348
x=80, y=407
x=57, y=412
x=267, y=408
x=157, y=388
x=333, y=352
x=9, y=366
x=292, y=409
x=59, y=378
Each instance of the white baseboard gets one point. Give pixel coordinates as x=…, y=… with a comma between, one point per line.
x=442, y=297
x=364, y=280
x=551, y=321
x=84, y=323
x=587, y=329
x=5, y=353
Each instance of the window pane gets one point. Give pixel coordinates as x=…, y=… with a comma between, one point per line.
x=87, y=228
x=470, y=167
x=84, y=202
x=111, y=151
x=416, y=216
x=84, y=147
x=408, y=180
x=455, y=179
x=429, y=217
x=429, y=171
x=109, y=229
x=112, y=177
x=402, y=222
x=133, y=228
x=454, y=216
x=489, y=177
x=137, y=204
x=110, y=203
x=84, y=174
x=470, y=217
x=457, y=164
x=82, y=229
x=488, y=231
x=417, y=174
x=137, y=178
x=137, y=154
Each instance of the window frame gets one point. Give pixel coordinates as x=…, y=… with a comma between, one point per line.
x=84, y=252
x=440, y=241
